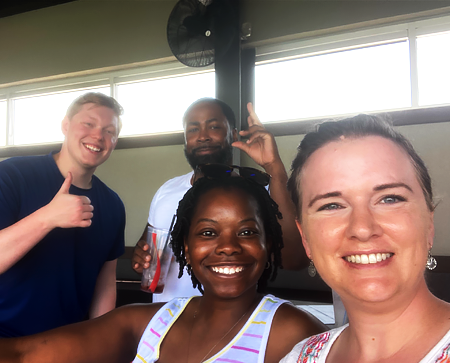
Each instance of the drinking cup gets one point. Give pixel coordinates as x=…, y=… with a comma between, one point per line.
x=154, y=277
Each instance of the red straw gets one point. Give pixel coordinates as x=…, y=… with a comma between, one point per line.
x=158, y=266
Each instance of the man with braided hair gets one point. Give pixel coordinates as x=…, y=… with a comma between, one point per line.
x=210, y=134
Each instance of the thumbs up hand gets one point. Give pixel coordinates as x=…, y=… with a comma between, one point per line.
x=67, y=210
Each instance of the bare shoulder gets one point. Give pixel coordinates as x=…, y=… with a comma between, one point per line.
x=136, y=316
x=289, y=327
x=300, y=321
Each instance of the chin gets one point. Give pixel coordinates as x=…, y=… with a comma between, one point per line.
x=372, y=292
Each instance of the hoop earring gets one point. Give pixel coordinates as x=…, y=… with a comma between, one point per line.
x=267, y=265
x=431, y=261
x=312, y=269
x=188, y=269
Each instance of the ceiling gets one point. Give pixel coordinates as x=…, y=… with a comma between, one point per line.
x=13, y=7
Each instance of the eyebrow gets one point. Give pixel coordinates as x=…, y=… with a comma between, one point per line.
x=376, y=189
x=205, y=220
x=198, y=122
x=392, y=185
x=251, y=219
x=324, y=196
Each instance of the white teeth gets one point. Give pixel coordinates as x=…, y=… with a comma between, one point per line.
x=368, y=259
x=92, y=148
x=372, y=258
x=227, y=270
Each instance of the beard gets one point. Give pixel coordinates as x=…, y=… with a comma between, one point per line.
x=221, y=156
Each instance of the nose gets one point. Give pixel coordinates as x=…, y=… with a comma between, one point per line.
x=203, y=135
x=363, y=225
x=97, y=133
x=228, y=244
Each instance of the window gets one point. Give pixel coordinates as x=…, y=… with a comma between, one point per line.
x=433, y=59
x=158, y=105
x=37, y=119
x=356, y=80
x=389, y=67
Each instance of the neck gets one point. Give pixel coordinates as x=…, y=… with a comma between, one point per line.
x=228, y=308
x=82, y=177
x=380, y=331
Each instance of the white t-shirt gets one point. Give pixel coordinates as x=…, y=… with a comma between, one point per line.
x=164, y=206
x=315, y=349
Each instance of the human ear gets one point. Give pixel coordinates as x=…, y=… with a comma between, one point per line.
x=305, y=243
x=235, y=135
x=65, y=125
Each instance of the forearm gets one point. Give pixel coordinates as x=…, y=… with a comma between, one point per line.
x=81, y=342
x=18, y=239
x=293, y=253
x=105, y=294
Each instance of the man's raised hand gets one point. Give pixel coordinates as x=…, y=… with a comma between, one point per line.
x=68, y=210
x=260, y=145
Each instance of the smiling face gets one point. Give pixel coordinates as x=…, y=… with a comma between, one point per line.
x=91, y=135
x=226, y=244
x=208, y=135
x=365, y=222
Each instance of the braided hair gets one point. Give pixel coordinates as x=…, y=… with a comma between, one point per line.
x=266, y=207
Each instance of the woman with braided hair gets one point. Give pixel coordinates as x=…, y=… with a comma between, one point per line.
x=228, y=238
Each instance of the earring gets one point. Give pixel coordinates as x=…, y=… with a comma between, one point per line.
x=267, y=265
x=431, y=261
x=189, y=269
x=312, y=269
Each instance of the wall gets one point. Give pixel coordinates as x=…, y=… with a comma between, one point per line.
x=272, y=19
x=82, y=35
x=136, y=175
x=88, y=34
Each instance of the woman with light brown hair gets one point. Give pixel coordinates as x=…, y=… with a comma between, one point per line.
x=365, y=213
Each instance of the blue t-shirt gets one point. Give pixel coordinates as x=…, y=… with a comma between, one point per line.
x=53, y=284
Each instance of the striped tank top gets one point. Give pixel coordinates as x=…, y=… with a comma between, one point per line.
x=248, y=346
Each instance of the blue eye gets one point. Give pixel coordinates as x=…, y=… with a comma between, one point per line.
x=330, y=206
x=392, y=199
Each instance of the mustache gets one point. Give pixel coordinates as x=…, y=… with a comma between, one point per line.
x=204, y=147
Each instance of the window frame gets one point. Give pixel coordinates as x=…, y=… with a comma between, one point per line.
x=269, y=52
